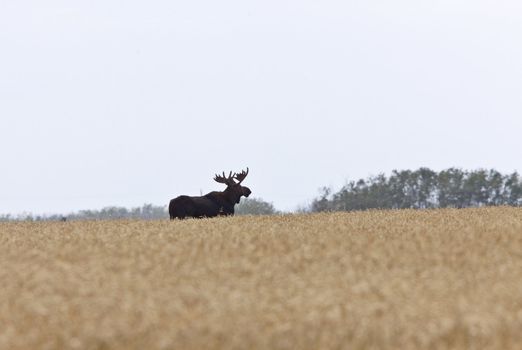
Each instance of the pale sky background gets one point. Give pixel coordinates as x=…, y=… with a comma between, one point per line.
x=130, y=102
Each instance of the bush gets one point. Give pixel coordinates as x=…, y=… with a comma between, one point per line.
x=255, y=206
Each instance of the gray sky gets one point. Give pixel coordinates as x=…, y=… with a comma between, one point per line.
x=126, y=102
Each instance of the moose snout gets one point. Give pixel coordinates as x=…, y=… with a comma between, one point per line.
x=246, y=191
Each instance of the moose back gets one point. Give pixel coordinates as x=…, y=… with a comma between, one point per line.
x=214, y=203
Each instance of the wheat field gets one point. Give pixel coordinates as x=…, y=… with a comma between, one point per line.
x=437, y=279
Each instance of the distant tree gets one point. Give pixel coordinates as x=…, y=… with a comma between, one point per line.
x=322, y=203
x=426, y=188
x=450, y=188
x=255, y=206
x=512, y=192
x=496, y=188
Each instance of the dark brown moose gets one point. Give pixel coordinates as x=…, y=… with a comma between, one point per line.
x=213, y=203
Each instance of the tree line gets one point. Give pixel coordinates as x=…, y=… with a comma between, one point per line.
x=248, y=206
x=405, y=189
x=424, y=188
x=145, y=212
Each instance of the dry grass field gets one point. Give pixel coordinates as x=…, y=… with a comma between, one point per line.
x=441, y=279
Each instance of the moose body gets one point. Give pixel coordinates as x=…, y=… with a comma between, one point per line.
x=208, y=205
x=214, y=203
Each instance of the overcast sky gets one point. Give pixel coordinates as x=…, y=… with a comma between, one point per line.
x=131, y=102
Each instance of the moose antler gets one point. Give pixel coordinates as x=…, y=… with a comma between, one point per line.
x=224, y=179
x=241, y=176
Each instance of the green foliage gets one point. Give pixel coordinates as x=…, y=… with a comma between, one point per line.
x=146, y=212
x=425, y=188
x=255, y=206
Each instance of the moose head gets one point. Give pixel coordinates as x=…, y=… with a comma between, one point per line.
x=234, y=190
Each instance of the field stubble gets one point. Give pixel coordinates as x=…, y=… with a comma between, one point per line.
x=433, y=279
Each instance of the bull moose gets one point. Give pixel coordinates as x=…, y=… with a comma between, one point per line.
x=214, y=203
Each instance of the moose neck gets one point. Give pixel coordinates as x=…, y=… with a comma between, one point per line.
x=231, y=195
